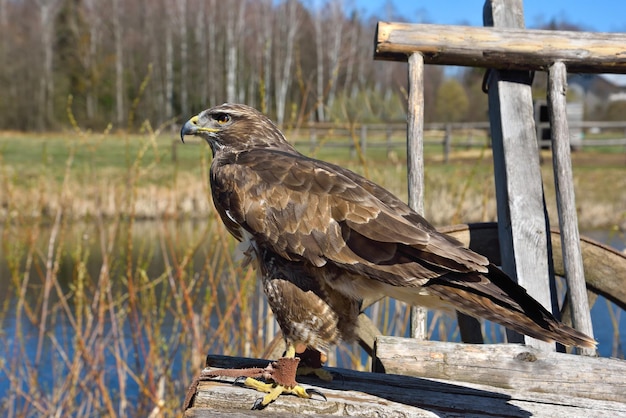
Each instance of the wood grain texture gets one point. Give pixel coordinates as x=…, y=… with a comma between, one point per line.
x=519, y=188
x=415, y=165
x=415, y=133
x=502, y=47
x=566, y=202
x=373, y=395
x=510, y=366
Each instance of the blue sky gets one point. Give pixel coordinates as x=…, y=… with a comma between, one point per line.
x=596, y=15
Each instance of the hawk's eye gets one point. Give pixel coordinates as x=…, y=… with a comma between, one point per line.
x=221, y=118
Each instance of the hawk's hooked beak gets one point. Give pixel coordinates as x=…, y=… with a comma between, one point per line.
x=189, y=128
x=192, y=127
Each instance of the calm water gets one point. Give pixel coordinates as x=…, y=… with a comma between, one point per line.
x=149, y=252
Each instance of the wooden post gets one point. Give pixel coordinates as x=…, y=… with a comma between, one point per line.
x=363, y=140
x=415, y=165
x=519, y=189
x=447, y=139
x=566, y=202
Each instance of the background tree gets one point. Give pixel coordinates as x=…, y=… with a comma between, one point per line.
x=335, y=26
x=117, y=10
x=433, y=77
x=91, y=62
x=233, y=30
x=319, y=75
x=181, y=20
x=472, y=81
x=452, y=101
x=616, y=110
x=48, y=10
x=288, y=13
x=292, y=58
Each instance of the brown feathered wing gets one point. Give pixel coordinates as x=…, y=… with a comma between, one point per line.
x=310, y=211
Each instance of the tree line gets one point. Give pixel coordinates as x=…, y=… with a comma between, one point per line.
x=126, y=61
x=122, y=62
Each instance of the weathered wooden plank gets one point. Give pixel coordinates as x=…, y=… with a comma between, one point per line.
x=415, y=165
x=566, y=203
x=372, y=394
x=519, y=188
x=230, y=413
x=502, y=47
x=415, y=133
x=510, y=366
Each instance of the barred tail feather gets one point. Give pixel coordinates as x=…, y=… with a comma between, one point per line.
x=494, y=296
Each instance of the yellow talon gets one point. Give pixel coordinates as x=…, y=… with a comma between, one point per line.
x=274, y=389
x=258, y=385
x=272, y=395
x=301, y=392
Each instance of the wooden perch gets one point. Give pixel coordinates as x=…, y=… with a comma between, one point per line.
x=373, y=395
x=502, y=48
x=511, y=366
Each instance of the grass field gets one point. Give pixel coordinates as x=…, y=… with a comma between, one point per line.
x=105, y=315
x=96, y=170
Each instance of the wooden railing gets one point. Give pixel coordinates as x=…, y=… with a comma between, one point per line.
x=448, y=136
x=390, y=136
x=511, y=53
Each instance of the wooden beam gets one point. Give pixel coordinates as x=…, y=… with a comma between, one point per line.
x=510, y=366
x=504, y=48
x=415, y=166
x=566, y=202
x=363, y=394
x=522, y=218
x=415, y=134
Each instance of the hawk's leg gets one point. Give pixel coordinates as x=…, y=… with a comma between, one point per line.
x=281, y=376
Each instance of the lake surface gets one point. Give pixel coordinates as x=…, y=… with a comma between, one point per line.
x=157, y=248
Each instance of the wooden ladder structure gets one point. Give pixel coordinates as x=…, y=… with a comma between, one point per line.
x=511, y=55
x=500, y=379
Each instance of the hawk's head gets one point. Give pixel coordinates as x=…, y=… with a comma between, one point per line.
x=236, y=127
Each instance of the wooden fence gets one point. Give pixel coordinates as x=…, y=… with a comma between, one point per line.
x=448, y=136
x=511, y=53
x=390, y=136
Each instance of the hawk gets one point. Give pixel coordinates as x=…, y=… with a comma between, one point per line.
x=324, y=238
